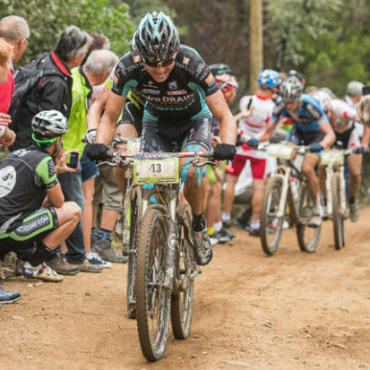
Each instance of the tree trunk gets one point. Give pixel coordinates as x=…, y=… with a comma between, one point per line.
x=256, y=43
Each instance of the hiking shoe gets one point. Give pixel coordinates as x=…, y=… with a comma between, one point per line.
x=43, y=272
x=8, y=296
x=202, y=247
x=87, y=266
x=61, y=266
x=354, y=211
x=254, y=231
x=94, y=259
x=106, y=251
x=9, y=265
x=221, y=238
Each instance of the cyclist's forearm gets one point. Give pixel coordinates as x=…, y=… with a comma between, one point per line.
x=228, y=131
x=366, y=136
x=106, y=129
x=268, y=132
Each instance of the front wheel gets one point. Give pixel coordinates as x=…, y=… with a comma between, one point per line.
x=338, y=221
x=153, y=300
x=182, y=297
x=308, y=237
x=271, y=224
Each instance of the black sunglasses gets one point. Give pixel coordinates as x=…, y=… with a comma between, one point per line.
x=165, y=63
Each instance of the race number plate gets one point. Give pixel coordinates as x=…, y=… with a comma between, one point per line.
x=133, y=146
x=280, y=151
x=332, y=157
x=154, y=171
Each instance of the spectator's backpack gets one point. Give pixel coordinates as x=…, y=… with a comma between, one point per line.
x=25, y=79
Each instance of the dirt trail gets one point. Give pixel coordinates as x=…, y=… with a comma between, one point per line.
x=290, y=311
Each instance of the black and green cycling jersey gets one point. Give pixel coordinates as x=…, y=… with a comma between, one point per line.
x=25, y=175
x=180, y=97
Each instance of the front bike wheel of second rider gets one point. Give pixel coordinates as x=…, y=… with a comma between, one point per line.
x=182, y=296
x=338, y=220
x=308, y=237
x=153, y=299
x=271, y=224
x=132, y=220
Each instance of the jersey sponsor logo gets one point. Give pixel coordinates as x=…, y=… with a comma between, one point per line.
x=177, y=92
x=51, y=168
x=21, y=152
x=33, y=225
x=314, y=111
x=8, y=178
x=170, y=100
x=136, y=58
x=209, y=79
x=150, y=91
x=172, y=85
x=186, y=60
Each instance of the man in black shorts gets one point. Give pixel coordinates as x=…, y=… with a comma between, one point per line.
x=180, y=95
x=27, y=177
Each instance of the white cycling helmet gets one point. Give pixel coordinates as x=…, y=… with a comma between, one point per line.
x=324, y=99
x=48, y=125
x=291, y=89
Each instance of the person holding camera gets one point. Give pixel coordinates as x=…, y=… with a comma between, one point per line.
x=33, y=212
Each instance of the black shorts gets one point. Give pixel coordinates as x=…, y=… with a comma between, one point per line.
x=342, y=139
x=29, y=228
x=305, y=138
x=132, y=115
x=162, y=136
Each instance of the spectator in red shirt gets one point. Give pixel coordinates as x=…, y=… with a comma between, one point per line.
x=16, y=32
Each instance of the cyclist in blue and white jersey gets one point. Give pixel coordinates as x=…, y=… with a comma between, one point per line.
x=311, y=127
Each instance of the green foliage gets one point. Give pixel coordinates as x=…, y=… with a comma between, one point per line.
x=48, y=18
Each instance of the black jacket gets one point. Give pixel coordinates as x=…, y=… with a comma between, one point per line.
x=52, y=92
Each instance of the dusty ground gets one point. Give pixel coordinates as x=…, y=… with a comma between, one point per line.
x=289, y=311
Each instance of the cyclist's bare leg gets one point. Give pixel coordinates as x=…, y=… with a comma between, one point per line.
x=87, y=217
x=194, y=187
x=258, y=186
x=68, y=216
x=125, y=130
x=354, y=164
x=213, y=213
x=108, y=218
x=308, y=168
x=322, y=179
x=229, y=193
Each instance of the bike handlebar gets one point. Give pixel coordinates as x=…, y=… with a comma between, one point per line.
x=123, y=159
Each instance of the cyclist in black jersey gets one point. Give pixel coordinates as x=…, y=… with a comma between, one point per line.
x=27, y=177
x=180, y=95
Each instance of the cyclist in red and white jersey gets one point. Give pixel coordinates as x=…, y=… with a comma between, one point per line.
x=347, y=135
x=256, y=112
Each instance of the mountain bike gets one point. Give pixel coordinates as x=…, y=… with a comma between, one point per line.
x=333, y=162
x=165, y=265
x=287, y=201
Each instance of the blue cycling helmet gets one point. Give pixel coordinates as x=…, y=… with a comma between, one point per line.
x=268, y=79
